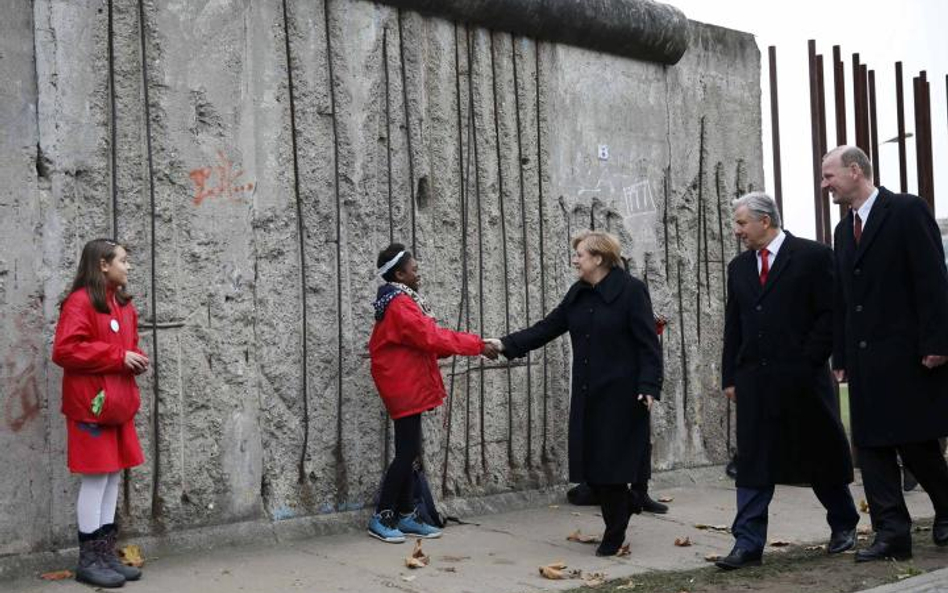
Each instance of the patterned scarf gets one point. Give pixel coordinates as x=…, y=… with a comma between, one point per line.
x=387, y=293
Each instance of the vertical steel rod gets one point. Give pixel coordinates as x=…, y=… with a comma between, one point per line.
x=775, y=129
x=821, y=99
x=815, y=142
x=873, y=128
x=900, y=116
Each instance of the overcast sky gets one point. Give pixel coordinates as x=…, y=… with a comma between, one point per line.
x=882, y=32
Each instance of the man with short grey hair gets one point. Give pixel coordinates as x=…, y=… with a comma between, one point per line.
x=778, y=335
x=891, y=343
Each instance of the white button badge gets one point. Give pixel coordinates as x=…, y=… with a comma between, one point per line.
x=114, y=325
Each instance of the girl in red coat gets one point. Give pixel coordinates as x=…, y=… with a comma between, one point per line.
x=97, y=346
x=405, y=346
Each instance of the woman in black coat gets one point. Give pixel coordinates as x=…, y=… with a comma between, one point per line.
x=617, y=374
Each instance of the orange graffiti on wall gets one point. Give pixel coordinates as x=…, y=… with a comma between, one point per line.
x=221, y=180
x=23, y=399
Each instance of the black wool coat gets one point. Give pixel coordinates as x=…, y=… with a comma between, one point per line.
x=616, y=357
x=892, y=310
x=777, y=343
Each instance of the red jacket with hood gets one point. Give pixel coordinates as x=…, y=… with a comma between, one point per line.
x=405, y=347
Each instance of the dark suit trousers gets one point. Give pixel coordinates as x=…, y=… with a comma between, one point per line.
x=614, y=503
x=750, y=523
x=882, y=480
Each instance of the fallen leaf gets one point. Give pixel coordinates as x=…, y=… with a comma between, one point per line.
x=625, y=550
x=862, y=538
x=666, y=499
x=864, y=530
x=417, y=558
x=132, y=556
x=815, y=548
x=712, y=557
x=576, y=573
x=594, y=579
x=682, y=542
x=578, y=536
x=553, y=571
x=57, y=575
x=779, y=543
x=863, y=505
x=706, y=527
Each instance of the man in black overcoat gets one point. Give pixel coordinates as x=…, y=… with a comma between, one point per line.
x=890, y=343
x=778, y=335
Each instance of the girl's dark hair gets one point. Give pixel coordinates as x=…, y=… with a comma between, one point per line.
x=387, y=254
x=90, y=277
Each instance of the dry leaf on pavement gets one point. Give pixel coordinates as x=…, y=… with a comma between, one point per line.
x=682, y=542
x=712, y=557
x=553, y=571
x=779, y=543
x=815, y=548
x=666, y=499
x=579, y=536
x=863, y=505
x=864, y=530
x=706, y=527
x=625, y=550
x=594, y=579
x=417, y=558
x=132, y=556
x=57, y=575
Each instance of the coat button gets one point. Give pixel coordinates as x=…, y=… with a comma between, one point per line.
x=857, y=272
x=585, y=361
x=760, y=334
x=759, y=307
x=763, y=363
x=584, y=388
x=587, y=336
x=863, y=344
x=590, y=310
x=858, y=308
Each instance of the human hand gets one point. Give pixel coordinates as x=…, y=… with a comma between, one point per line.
x=492, y=348
x=840, y=375
x=934, y=360
x=135, y=362
x=730, y=393
x=647, y=401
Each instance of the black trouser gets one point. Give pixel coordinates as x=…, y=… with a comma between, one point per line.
x=397, y=488
x=614, y=502
x=882, y=480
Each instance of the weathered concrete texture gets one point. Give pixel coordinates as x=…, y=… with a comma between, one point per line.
x=254, y=156
x=639, y=29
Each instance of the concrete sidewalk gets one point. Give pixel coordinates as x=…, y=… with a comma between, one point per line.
x=499, y=552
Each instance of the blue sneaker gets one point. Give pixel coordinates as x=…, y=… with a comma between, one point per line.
x=382, y=527
x=410, y=524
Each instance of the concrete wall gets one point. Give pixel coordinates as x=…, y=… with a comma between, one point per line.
x=254, y=156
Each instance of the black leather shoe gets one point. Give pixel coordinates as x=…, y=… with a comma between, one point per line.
x=653, y=506
x=739, y=558
x=731, y=469
x=607, y=549
x=940, y=532
x=909, y=482
x=883, y=550
x=841, y=541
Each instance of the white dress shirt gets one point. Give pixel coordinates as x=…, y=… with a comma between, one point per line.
x=772, y=248
x=863, y=211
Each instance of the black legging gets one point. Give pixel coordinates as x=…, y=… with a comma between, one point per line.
x=398, y=485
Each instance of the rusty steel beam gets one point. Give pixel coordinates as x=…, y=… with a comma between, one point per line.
x=857, y=104
x=815, y=142
x=824, y=194
x=900, y=116
x=873, y=128
x=775, y=129
x=922, y=140
x=839, y=84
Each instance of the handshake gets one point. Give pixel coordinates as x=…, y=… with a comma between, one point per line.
x=492, y=348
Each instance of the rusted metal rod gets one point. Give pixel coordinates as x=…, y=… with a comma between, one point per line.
x=815, y=142
x=775, y=128
x=900, y=116
x=821, y=99
x=839, y=84
x=873, y=128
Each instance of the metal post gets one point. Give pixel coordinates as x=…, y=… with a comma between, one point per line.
x=775, y=128
x=815, y=142
x=900, y=116
x=824, y=197
x=873, y=128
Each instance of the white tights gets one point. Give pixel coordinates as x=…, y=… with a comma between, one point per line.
x=98, y=495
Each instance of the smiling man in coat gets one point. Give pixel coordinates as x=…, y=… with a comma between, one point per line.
x=778, y=336
x=891, y=343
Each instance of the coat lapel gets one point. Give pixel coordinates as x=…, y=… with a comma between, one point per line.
x=748, y=270
x=877, y=217
x=780, y=263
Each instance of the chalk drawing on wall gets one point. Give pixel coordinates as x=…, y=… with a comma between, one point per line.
x=220, y=181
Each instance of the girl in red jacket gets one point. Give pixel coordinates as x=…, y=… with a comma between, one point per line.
x=405, y=346
x=97, y=346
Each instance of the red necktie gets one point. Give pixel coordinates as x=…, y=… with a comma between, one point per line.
x=764, y=266
x=857, y=227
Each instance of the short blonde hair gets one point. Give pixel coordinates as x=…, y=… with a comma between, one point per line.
x=600, y=243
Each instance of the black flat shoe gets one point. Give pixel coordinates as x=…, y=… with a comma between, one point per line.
x=653, y=506
x=841, y=541
x=940, y=532
x=883, y=550
x=739, y=558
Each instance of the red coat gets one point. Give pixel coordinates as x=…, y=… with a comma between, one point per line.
x=93, y=359
x=405, y=347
